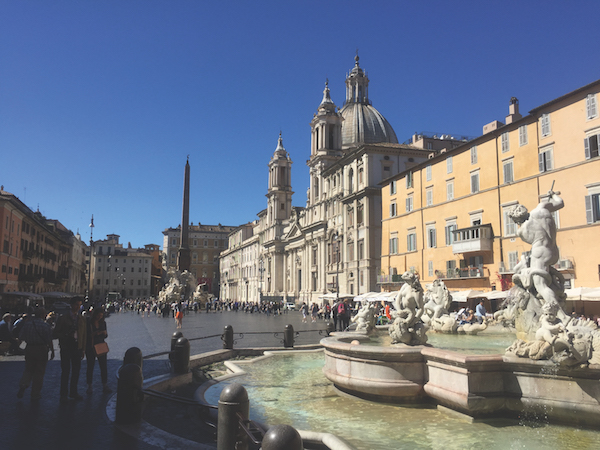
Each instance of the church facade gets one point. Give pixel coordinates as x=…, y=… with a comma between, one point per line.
x=331, y=246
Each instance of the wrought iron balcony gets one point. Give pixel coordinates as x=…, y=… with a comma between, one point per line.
x=383, y=279
x=477, y=238
x=464, y=272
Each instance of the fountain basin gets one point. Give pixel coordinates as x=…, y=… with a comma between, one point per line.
x=388, y=374
x=475, y=385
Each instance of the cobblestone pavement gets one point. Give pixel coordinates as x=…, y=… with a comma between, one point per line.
x=47, y=424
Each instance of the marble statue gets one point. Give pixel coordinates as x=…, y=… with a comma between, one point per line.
x=437, y=300
x=181, y=286
x=407, y=327
x=544, y=331
x=365, y=318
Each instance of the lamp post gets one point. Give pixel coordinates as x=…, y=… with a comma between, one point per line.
x=89, y=289
x=261, y=269
x=109, y=276
x=336, y=239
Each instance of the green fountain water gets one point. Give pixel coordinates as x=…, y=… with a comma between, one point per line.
x=290, y=389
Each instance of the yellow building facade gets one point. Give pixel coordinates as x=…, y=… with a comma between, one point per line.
x=447, y=217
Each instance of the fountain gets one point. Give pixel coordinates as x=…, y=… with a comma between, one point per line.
x=553, y=365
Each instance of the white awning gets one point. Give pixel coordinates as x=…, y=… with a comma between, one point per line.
x=496, y=295
x=463, y=296
x=583, y=293
x=376, y=297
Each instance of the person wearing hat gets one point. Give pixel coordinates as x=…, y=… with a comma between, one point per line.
x=38, y=336
x=71, y=332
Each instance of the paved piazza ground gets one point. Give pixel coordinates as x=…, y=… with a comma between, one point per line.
x=76, y=425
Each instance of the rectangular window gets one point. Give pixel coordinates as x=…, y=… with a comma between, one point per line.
x=545, y=160
x=361, y=249
x=448, y=231
x=449, y=164
x=450, y=190
x=507, y=167
x=474, y=154
x=504, y=142
x=545, y=125
x=409, y=203
x=591, y=106
x=428, y=172
x=474, y=182
x=431, y=237
x=592, y=208
x=411, y=242
x=590, y=145
x=393, y=209
x=430, y=268
x=392, y=187
x=510, y=227
x=393, y=246
x=429, y=195
x=513, y=260
x=409, y=180
x=523, y=139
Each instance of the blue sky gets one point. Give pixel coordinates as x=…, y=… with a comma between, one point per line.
x=102, y=101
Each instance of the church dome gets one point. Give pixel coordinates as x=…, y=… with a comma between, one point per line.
x=362, y=124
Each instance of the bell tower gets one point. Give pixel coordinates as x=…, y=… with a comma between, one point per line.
x=279, y=194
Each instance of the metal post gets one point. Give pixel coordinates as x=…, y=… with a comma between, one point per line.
x=330, y=328
x=228, y=337
x=133, y=356
x=174, y=338
x=288, y=336
x=130, y=397
x=233, y=407
x=282, y=437
x=180, y=356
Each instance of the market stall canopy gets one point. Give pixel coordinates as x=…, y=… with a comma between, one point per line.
x=583, y=293
x=463, y=296
x=496, y=295
x=591, y=295
x=333, y=297
x=376, y=297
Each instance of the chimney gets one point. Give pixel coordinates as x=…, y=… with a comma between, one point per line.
x=513, y=111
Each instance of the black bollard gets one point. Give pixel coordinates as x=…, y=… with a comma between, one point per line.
x=133, y=355
x=130, y=397
x=232, y=402
x=330, y=328
x=228, y=337
x=282, y=437
x=288, y=336
x=180, y=356
x=176, y=335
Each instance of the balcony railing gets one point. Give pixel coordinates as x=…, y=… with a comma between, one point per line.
x=396, y=278
x=464, y=272
x=477, y=238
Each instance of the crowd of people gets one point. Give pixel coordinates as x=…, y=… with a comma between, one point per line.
x=80, y=332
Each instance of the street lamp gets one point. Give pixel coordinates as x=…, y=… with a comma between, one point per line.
x=89, y=289
x=261, y=269
x=109, y=276
x=336, y=239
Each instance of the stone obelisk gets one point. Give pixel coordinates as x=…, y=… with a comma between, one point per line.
x=183, y=255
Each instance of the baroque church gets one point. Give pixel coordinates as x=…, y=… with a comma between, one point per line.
x=332, y=246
